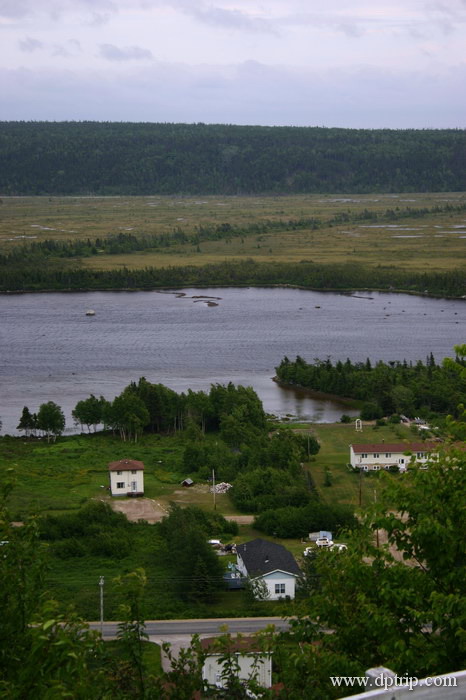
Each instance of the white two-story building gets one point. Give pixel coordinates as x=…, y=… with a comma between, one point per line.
x=383, y=455
x=126, y=477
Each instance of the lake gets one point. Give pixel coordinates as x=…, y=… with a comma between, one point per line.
x=52, y=351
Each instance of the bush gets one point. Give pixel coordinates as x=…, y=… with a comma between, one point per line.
x=345, y=419
x=110, y=544
x=67, y=549
x=371, y=411
x=298, y=522
x=394, y=419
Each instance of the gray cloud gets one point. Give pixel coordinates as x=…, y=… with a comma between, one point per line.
x=14, y=8
x=58, y=50
x=127, y=53
x=17, y=9
x=29, y=45
x=249, y=93
x=99, y=19
x=231, y=19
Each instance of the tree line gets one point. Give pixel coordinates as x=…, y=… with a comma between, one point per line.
x=386, y=388
x=70, y=158
x=30, y=277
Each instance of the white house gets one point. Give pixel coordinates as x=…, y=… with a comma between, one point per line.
x=252, y=662
x=383, y=455
x=261, y=560
x=126, y=477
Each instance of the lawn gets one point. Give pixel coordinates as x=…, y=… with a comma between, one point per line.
x=334, y=456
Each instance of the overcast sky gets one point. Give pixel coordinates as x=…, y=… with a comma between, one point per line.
x=349, y=63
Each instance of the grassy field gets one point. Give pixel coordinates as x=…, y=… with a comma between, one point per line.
x=430, y=242
x=334, y=457
x=63, y=476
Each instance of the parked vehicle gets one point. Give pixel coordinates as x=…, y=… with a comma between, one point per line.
x=338, y=547
x=324, y=542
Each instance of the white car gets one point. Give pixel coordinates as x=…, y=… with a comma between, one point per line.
x=324, y=542
x=338, y=547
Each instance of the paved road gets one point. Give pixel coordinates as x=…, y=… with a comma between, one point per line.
x=169, y=630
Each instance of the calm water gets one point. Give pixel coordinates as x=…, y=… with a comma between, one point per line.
x=51, y=351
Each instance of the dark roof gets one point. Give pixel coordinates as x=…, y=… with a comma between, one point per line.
x=263, y=557
x=125, y=465
x=394, y=447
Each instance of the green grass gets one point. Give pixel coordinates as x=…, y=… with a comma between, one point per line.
x=62, y=476
x=335, y=440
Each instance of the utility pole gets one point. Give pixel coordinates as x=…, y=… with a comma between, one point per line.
x=213, y=488
x=101, y=584
x=377, y=531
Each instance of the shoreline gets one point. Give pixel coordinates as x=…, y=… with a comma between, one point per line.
x=331, y=290
x=319, y=395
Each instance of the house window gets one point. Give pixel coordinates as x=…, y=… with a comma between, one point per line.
x=119, y=473
x=388, y=454
x=420, y=455
x=375, y=467
x=279, y=588
x=133, y=471
x=376, y=455
x=401, y=460
x=364, y=455
x=120, y=484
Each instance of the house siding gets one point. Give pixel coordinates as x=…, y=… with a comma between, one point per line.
x=286, y=582
x=382, y=457
x=257, y=666
x=126, y=483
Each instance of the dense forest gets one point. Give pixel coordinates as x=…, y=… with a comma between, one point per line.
x=70, y=158
x=387, y=388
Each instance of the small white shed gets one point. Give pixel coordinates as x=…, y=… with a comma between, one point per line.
x=252, y=662
x=126, y=477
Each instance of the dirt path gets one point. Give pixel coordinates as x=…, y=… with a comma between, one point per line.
x=241, y=519
x=148, y=509
x=140, y=509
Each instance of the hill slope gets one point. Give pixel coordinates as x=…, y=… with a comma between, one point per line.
x=40, y=158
